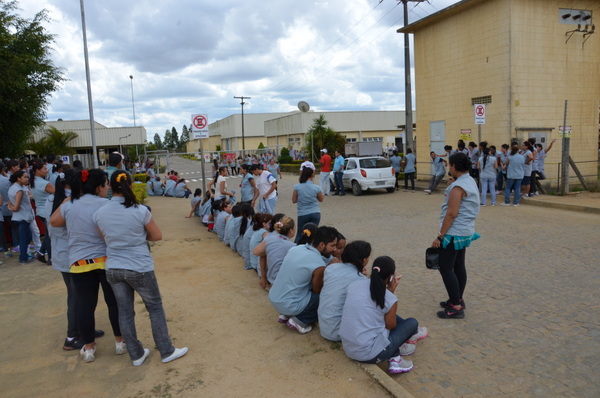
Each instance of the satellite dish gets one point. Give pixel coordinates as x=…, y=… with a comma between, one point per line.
x=303, y=106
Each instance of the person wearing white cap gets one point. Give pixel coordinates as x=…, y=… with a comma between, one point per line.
x=307, y=163
x=325, y=163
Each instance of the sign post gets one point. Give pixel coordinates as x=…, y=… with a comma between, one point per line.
x=200, y=131
x=479, y=119
x=566, y=146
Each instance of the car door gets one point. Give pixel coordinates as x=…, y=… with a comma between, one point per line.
x=350, y=170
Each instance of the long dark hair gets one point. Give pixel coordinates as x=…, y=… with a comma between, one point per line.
x=260, y=219
x=36, y=164
x=486, y=152
x=307, y=172
x=274, y=219
x=16, y=175
x=247, y=215
x=86, y=182
x=355, y=253
x=383, y=269
x=120, y=183
x=308, y=233
x=460, y=161
x=61, y=183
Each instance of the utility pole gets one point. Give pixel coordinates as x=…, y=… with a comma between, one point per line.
x=132, y=101
x=566, y=144
x=408, y=131
x=242, y=103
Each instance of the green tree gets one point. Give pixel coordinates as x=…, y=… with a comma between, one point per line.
x=185, y=138
x=28, y=76
x=157, y=141
x=54, y=142
x=175, y=138
x=168, y=140
x=320, y=136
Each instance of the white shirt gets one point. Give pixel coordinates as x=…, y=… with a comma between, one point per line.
x=264, y=182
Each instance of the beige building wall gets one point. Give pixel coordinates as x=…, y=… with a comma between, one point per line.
x=515, y=52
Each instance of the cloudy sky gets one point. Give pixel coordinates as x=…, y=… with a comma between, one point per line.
x=194, y=56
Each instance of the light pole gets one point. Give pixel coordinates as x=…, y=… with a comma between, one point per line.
x=242, y=103
x=132, y=102
x=89, y=85
x=121, y=146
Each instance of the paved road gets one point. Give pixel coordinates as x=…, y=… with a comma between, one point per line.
x=532, y=324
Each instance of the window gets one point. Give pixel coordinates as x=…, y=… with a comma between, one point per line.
x=481, y=100
x=351, y=165
x=374, y=163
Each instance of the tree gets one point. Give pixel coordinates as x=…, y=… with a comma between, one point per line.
x=157, y=141
x=168, y=140
x=54, y=142
x=322, y=136
x=185, y=138
x=175, y=138
x=28, y=76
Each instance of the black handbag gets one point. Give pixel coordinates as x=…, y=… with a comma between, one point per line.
x=432, y=258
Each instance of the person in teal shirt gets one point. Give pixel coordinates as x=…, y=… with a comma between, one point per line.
x=338, y=172
x=409, y=170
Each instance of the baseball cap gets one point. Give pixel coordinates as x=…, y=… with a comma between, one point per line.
x=324, y=150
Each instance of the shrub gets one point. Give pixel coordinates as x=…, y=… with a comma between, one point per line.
x=140, y=177
x=140, y=191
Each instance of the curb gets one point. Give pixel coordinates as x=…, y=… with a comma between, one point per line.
x=561, y=206
x=391, y=385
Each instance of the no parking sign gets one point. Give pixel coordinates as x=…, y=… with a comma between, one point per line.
x=199, y=126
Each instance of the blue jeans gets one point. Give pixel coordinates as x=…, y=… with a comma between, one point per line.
x=404, y=329
x=125, y=283
x=268, y=205
x=24, y=239
x=511, y=184
x=487, y=184
x=339, y=183
x=410, y=176
x=314, y=218
x=500, y=177
x=309, y=313
x=324, y=180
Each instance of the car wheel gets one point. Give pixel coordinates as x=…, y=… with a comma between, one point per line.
x=390, y=190
x=356, y=188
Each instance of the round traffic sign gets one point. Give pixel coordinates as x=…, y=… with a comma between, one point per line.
x=480, y=110
x=199, y=122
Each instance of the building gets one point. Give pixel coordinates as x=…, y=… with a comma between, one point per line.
x=278, y=130
x=108, y=139
x=522, y=60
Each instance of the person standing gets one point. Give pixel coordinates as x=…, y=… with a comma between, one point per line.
x=249, y=192
x=338, y=173
x=6, y=215
x=115, y=162
x=541, y=158
x=41, y=189
x=438, y=170
x=295, y=292
x=396, y=162
x=501, y=168
x=527, y=153
x=130, y=267
x=22, y=212
x=273, y=168
x=267, y=189
x=87, y=257
x=457, y=230
x=515, y=171
x=325, y=163
x=487, y=176
x=409, y=170
x=307, y=195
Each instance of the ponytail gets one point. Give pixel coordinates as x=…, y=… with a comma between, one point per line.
x=120, y=183
x=247, y=216
x=383, y=268
x=86, y=182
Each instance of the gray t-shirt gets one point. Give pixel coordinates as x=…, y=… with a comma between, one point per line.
x=255, y=240
x=25, y=212
x=276, y=248
x=362, y=328
x=220, y=222
x=338, y=276
x=290, y=294
x=40, y=195
x=307, y=198
x=125, y=235
x=4, y=187
x=85, y=241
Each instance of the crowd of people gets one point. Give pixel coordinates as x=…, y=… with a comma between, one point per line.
x=311, y=273
x=93, y=241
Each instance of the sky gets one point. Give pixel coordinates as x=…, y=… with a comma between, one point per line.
x=193, y=56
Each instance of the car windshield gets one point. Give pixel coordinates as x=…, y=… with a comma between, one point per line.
x=374, y=163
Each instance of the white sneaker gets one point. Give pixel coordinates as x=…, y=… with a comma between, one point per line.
x=422, y=332
x=504, y=204
x=178, y=353
x=400, y=365
x=293, y=325
x=88, y=355
x=427, y=191
x=141, y=360
x=120, y=348
x=407, y=349
x=282, y=318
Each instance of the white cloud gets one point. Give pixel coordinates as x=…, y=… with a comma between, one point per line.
x=193, y=56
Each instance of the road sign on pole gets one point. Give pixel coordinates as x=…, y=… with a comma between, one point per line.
x=199, y=126
x=479, y=114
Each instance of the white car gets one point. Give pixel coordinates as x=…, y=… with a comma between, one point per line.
x=366, y=173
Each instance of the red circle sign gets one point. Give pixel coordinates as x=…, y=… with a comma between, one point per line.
x=480, y=110
x=199, y=122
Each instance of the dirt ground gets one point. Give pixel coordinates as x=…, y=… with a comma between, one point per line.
x=213, y=306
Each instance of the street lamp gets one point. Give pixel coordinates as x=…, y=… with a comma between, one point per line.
x=121, y=146
x=132, y=102
x=242, y=103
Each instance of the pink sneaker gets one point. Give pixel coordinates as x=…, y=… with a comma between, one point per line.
x=422, y=332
